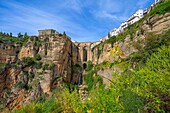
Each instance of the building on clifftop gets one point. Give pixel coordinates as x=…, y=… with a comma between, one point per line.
x=47, y=32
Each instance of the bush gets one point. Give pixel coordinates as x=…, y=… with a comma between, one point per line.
x=155, y=79
x=161, y=8
x=2, y=67
x=48, y=66
x=28, y=61
x=89, y=66
x=37, y=57
x=39, y=65
x=111, y=40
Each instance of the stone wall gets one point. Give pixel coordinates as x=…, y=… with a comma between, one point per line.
x=46, y=32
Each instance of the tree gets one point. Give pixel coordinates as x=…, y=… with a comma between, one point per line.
x=10, y=34
x=108, y=34
x=4, y=34
x=7, y=34
x=25, y=35
x=64, y=33
x=20, y=35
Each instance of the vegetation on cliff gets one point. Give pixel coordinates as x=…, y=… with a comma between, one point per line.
x=142, y=85
x=9, y=39
x=143, y=90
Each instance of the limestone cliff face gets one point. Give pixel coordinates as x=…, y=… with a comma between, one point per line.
x=42, y=60
x=53, y=49
x=8, y=53
x=30, y=78
x=157, y=23
x=122, y=49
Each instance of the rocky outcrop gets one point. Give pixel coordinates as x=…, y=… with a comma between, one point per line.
x=32, y=77
x=157, y=23
x=34, y=72
x=122, y=49
x=54, y=49
x=8, y=53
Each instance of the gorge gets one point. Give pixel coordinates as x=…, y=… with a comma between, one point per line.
x=126, y=73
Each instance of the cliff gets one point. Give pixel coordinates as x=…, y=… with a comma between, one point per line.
x=122, y=48
x=37, y=67
x=32, y=71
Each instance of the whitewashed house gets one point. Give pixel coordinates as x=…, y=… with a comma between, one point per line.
x=114, y=32
x=123, y=25
x=104, y=39
x=136, y=17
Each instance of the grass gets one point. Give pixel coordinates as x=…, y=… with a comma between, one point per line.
x=161, y=9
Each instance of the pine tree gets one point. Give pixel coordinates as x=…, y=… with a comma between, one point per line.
x=64, y=33
x=25, y=35
x=10, y=34
x=108, y=34
x=20, y=35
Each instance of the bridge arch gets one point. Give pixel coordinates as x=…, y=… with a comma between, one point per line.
x=85, y=50
x=85, y=53
x=91, y=45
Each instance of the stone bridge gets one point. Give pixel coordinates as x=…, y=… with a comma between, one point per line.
x=85, y=50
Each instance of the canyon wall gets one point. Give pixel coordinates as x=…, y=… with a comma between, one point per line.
x=42, y=64
x=45, y=61
x=123, y=48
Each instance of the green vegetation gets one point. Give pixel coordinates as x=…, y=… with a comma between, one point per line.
x=141, y=86
x=2, y=66
x=28, y=61
x=9, y=39
x=162, y=8
x=111, y=40
x=48, y=66
x=37, y=57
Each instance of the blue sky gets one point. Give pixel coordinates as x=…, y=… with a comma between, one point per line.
x=82, y=20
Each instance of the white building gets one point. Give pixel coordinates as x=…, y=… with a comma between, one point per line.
x=136, y=17
x=104, y=39
x=114, y=32
x=124, y=25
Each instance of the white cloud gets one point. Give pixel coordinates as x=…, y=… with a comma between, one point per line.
x=34, y=19
x=82, y=20
x=107, y=15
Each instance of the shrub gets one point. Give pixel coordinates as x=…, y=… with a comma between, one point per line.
x=39, y=65
x=155, y=79
x=161, y=8
x=28, y=61
x=111, y=40
x=2, y=67
x=89, y=66
x=37, y=57
x=48, y=66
